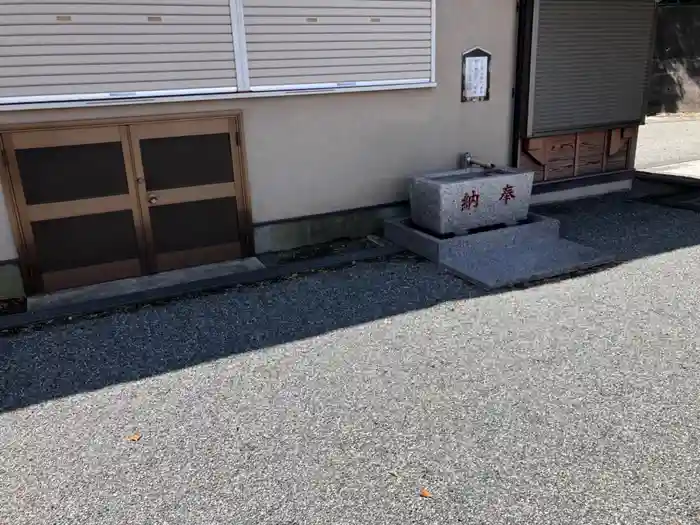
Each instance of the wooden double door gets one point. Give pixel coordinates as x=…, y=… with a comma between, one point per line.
x=110, y=202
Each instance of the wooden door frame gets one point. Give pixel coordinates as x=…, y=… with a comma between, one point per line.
x=19, y=214
x=525, y=11
x=12, y=207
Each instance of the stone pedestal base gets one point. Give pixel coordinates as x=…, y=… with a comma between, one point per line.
x=529, y=251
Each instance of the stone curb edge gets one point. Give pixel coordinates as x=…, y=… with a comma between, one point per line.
x=211, y=284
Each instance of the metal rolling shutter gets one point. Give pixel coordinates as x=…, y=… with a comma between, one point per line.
x=57, y=50
x=590, y=63
x=335, y=43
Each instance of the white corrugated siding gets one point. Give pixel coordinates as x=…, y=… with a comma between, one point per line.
x=59, y=48
x=339, y=42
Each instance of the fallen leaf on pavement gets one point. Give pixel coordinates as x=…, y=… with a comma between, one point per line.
x=134, y=437
x=425, y=493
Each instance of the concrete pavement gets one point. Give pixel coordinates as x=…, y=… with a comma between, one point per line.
x=670, y=142
x=670, y=146
x=334, y=397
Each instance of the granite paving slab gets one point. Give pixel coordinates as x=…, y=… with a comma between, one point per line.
x=519, y=263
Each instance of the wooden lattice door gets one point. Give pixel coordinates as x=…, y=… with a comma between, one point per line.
x=77, y=205
x=190, y=187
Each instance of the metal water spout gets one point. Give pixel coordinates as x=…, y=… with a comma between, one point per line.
x=468, y=161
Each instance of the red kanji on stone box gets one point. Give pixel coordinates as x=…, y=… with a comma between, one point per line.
x=508, y=194
x=470, y=201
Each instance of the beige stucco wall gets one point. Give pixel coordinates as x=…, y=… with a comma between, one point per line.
x=322, y=153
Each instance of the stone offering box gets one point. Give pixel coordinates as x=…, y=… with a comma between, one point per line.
x=456, y=202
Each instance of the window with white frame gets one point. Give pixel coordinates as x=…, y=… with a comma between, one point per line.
x=87, y=52
x=337, y=43
x=102, y=49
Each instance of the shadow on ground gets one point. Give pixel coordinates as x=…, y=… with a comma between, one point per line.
x=89, y=354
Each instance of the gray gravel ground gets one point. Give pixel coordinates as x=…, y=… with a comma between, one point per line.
x=668, y=140
x=332, y=398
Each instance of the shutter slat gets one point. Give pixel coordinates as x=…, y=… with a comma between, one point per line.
x=74, y=53
x=154, y=84
x=358, y=62
x=313, y=46
x=341, y=70
x=112, y=8
x=332, y=4
x=340, y=54
x=590, y=63
x=354, y=77
x=110, y=19
x=117, y=28
x=116, y=59
x=17, y=73
x=325, y=12
x=79, y=80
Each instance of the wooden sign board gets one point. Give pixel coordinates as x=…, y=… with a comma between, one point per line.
x=476, y=75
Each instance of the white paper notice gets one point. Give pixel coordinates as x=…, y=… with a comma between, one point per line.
x=476, y=77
